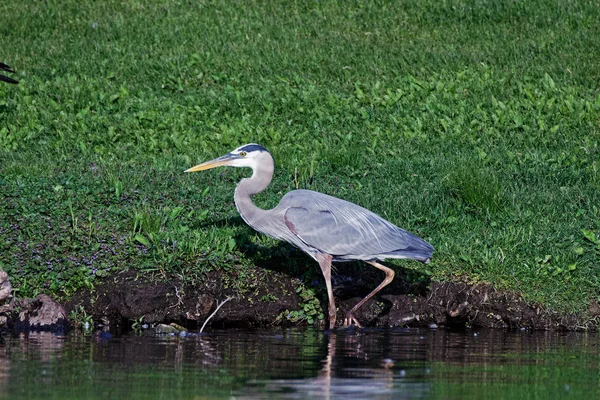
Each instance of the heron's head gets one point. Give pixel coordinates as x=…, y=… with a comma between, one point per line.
x=249, y=155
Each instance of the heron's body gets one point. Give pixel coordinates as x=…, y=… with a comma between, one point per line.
x=317, y=223
x=325, y=227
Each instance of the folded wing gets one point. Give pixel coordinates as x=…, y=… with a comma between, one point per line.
x=348, y=231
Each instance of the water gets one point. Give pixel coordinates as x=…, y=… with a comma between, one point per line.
x=303, y=364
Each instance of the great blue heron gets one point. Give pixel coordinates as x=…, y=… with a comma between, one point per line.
x=6, y=68
x=324, y=227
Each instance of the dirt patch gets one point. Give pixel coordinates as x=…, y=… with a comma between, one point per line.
x=462, y=305
x=126, y=298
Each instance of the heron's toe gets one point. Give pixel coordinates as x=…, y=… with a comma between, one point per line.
x=350, y=319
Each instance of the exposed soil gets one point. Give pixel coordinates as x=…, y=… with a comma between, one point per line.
x=120, y=301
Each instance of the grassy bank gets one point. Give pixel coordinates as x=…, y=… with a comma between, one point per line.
x=473, y=124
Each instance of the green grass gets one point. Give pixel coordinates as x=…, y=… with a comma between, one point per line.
x=473, y=124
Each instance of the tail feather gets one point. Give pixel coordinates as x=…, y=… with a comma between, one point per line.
x=3, y=78
x=5, y=67
x=8, y=80
x=422, y=255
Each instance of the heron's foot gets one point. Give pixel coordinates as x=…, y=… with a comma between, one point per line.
x=350, y=319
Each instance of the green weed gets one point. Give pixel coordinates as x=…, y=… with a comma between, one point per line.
x=80, y=319
x=310, y=312
x=472, y=124
x=477, y=187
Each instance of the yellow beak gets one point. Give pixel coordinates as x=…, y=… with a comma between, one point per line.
x=217, y=162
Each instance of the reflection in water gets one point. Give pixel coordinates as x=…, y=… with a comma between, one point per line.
x=384, y=364
x=4, y=368
x=352, y=368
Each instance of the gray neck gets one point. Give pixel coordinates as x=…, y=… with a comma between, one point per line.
x=247, y=187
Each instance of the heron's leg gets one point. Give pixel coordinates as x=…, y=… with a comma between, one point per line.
x=325, y=264
x=389, y=276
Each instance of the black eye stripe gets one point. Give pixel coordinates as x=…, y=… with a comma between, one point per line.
x=252, y=147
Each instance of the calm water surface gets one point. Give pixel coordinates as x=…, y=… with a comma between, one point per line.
x=299, y=364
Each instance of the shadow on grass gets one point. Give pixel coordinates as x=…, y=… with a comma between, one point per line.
x=354, y=279
x=351, y=281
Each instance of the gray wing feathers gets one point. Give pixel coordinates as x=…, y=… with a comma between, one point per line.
x=345, y=230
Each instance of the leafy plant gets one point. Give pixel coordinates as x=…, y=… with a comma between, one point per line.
x=138, y=324
x=81, y=319
x=310, y=311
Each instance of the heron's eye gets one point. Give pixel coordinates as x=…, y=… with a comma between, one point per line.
x=242, y=154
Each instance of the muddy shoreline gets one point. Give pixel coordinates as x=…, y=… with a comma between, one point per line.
x=120, y=301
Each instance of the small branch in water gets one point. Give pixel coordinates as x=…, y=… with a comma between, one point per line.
x=214, y=312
